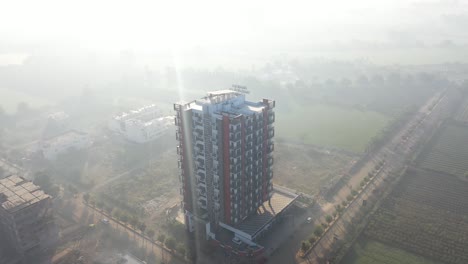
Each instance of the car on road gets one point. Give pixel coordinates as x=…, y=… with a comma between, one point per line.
x=309, y=220
x=105, y=221
x=237, y=241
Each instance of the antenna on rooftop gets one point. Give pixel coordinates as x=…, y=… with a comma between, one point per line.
x=240, y=89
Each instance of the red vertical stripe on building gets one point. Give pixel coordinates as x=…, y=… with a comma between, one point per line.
x=226, y=171
x=243, y=178
x=264, y=146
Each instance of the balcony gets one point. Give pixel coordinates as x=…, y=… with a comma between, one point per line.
x=270, y=148
x=201, y=203
x=271, y=118
x=271, y=133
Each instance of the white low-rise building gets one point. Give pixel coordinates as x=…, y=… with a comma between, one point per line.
x=70, y=140
x=141, y=125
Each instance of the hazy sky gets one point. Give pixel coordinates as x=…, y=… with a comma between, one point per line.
x=154, y=25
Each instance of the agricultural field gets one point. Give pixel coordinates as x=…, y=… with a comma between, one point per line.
x=306, y=168
x=426, y=214
x=9, y=100
x=462, y=114
x=367, y=251
x=329, y=126
x=447, y=152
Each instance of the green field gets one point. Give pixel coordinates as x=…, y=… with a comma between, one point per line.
x=367, y=251
x=331, y=126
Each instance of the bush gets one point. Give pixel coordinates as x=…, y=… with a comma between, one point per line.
x=329, y=218
x=370, y=174
x=344, y=203
x=324, y=225
x=354, y=193
x=170, y=243
x=318, y=231
x=312, y=239
x=335, y=214
x=338, y=208
x=181, y=249
x=362, y=184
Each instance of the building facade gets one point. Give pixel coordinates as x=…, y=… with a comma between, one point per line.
x=225, y=146
x=142, y=125
x=26, y=217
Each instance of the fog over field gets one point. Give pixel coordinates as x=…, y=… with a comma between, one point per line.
x=369, y=100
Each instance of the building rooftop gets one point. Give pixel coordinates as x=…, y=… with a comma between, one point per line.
x=144, y=114
x=279, y=201
x=238, y=103
x=17, y=193
x=64, y=138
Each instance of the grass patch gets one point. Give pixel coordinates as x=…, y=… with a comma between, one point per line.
x=327, y=125
x=366, y=251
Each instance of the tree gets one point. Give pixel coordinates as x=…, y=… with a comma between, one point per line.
x=45, y=182
x=312, y=239
x=142, y=228
x=318, y=231
x=305, y=245
x=99, y=204
x=170, y=243
x=161, y=238
x=133, y=222
x=124, y=218
x=329, y=218
x=150, y=233
x=86, y=197
x=117, y=214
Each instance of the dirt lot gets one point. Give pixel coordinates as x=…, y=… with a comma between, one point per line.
x=306, y=168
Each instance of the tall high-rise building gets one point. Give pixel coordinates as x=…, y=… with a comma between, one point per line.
x=225, y=146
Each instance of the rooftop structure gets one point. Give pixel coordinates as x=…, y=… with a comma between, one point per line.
x=141, y=125
x=254, y=225
x=225, y=158
x=17, y=193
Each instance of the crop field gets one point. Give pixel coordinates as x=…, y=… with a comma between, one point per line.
x=367, y=251
x=426, y=214
x=448, y=152
x=329, y=126
x=462, y=115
